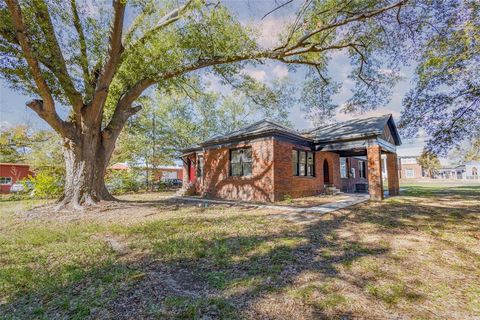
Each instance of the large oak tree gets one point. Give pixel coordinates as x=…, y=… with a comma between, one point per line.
x=99, y=60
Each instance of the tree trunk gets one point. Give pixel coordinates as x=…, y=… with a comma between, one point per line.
x=86, y=162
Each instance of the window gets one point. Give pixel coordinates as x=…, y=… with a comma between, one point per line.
x=303, y=163
x=310, y=166
x=343, y=167
x=474, y=171
x=241, y=162
x=409, y=173
x=5, y=180
x=295, y=162
x=200, y=167
x=362, y=169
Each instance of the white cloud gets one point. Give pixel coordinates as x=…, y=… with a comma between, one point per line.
x=270, y=29
x=280, y=71
x=258, y=75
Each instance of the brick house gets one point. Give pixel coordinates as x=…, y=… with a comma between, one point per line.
x=10, y=173
x=268, y=162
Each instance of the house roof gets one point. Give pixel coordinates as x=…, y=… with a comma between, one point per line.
x=14, y=164
x=348, y=130
x=355, y=128
x=258, y=128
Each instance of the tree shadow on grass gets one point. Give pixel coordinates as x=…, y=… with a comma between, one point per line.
x=225, y=276
x=185, y=275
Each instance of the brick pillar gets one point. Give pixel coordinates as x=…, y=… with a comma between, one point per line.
x=375, y=185
x=185, y=170
x=392, y=170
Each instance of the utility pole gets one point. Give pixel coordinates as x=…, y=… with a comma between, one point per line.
x=153, y=147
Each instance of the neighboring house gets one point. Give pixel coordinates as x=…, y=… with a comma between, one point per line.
x=10, y=173
x=409, y=168
x=468, y=171
x=159, y=172
x=408, y=155
x=168, y=172
x=268, y=162
x=472, y=170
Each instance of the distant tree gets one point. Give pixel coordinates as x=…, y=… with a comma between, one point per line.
x=13, y=143
x=429, y=163
x=446, y=99
x=64, y=53
x=467, y=151
x=170, y=123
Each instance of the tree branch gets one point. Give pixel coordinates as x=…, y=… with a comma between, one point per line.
x=165, y=21
x=83, y=50
x=361, y=16
x=114, y=53
x=44, y=108
x=59, y=66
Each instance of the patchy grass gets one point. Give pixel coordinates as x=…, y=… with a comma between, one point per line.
x=311, y=201
x=414, y=256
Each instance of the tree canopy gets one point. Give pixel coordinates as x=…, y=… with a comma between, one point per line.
x=97, y=60
x=446, y=99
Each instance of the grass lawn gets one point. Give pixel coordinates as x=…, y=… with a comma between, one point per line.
x=414, y=256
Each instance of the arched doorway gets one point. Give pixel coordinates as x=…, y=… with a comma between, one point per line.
x=326, y=172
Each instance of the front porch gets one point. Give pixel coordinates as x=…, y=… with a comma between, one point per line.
x=372, y=152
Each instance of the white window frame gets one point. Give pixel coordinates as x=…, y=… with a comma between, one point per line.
x=362, y=170
x=3, y=181
x=407, y=175
x=343, y=168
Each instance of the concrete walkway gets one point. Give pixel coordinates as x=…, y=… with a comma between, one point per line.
x=352, y=199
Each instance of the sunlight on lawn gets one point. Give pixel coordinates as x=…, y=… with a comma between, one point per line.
x=408, y=255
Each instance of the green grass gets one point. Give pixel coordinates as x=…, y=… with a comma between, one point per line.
x=414, y=255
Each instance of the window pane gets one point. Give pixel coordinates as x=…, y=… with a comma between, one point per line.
x=310, y=158
x=247, y=154
x=343, y=167
x=294, y=155
x=247, y=168
x=295, y=162
x=310, y=170
x=236, y=169
x=302, y=161
x=309, y=164
x=236, y=156
x=303, y=157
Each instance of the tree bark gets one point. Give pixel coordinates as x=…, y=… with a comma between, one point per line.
x=86, y=161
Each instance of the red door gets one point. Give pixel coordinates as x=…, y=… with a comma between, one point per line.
x=191, y=171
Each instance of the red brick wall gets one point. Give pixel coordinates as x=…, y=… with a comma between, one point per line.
x=299, y=186
x=375, y=183
x=417, y=169
x=272, y=177
x=217, y=181
x=16, y=171
x=392, y=168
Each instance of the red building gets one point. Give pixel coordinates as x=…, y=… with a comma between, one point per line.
x=267, y=161
x=10, y=173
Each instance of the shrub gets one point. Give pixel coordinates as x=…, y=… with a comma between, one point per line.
x=120, y=181
x=47, y=183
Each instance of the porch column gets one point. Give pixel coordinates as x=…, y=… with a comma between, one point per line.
x=392, y=170
x=375, y=184
x=186, y=172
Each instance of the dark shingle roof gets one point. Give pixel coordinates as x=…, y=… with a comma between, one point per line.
x=258, y=128
x=352, y=129
x=355, y=128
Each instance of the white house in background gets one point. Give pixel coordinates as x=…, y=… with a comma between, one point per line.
x=472, y=170
x=467, y=171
